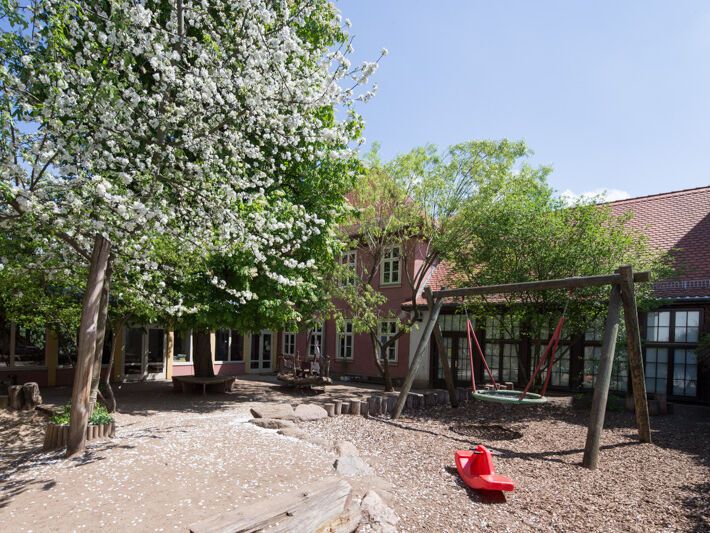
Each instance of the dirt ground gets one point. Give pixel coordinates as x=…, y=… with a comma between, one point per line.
x=178, y=459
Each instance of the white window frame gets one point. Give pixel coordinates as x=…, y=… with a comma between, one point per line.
x=385, y=333
x=290, y=343
x=12, y=351
x=343, y=335
x=388, y=259
x=318, y=330
x=349, y=260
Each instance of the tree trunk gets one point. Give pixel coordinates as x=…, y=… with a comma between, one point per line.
x=100, y=338
x=386, y=374
x=110, y=398
x=202, y=354
x=79, y=415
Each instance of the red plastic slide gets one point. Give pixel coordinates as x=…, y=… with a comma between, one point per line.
x=476, y=469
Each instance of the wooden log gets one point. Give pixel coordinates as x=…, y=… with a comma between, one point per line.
x=445, y=365
x=417, y=359
x=601, y=387
x=304, y=511
x=31, y=395
x=338, y=407
x=345, y=407
x=329, y=408
x=354, y=407
x=112, y=432
x=563, y=283
x=15, y=396
x=633, y=341
x=48, y=440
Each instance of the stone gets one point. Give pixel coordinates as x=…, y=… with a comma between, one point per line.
x=363, y=485
x=272, y=423
x=351, y=466
x=310, y=411
x=376, y=515
x=344, y=448
x=282, y=411
x=318, y=441
x=295, y=432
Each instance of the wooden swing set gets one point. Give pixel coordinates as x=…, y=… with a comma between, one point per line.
x=622, y=292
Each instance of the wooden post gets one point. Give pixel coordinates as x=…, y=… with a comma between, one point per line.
x=170, y=343
x=633, y=340
x=442, y=353
x=601, y=388
x=416, y=361
x=87, y=345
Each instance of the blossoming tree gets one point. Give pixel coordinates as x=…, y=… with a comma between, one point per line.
x=209, y=126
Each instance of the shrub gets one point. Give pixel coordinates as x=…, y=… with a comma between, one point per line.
x=99, y=416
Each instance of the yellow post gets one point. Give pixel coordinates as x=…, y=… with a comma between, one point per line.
x=51, y=355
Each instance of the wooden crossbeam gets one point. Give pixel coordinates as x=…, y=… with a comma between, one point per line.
x=563, y=283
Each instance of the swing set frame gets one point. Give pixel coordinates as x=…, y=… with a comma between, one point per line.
x=622, y=292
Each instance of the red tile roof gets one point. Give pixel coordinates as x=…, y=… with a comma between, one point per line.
x=674, y=220
x=677, y=220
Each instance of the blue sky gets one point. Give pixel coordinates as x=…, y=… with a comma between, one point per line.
x=612, y=95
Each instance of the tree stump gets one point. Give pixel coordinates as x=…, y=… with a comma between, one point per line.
x=354, y=407
x=338, y=407
x=31, y=395
x=330, y=408
x=345, y=407
x=15, y=396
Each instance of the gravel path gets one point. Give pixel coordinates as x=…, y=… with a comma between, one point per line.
x=639, y=487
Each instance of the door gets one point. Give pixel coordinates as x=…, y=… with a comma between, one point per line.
x=143, y=354
x=261, y=352
x=456, y=350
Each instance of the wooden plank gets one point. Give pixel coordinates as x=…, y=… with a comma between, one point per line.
x=445, y=365
x=417, y=359
x=601, y=387
x=304, y=511
x=564, y=283
x=633, y=341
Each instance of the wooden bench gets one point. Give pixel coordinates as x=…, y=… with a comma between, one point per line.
x=187, y=384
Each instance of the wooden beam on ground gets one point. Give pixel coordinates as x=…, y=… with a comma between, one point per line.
x=442, y=353
x=564, y=283
x=417, y=360
x=601, y=387
x=304, y=511
x=633, y=340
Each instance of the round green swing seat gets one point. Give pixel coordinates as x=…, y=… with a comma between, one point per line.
x=509, y=396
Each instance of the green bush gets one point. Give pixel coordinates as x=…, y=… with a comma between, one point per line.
x=100, y=415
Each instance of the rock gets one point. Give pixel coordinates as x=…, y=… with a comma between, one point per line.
x=310, y=411
x=318, y=441
x=344, y=448
x=376, y=516
x=363, y=485
x=282, y=411
x=351, y=466
x=272, y=423
x=295, y=432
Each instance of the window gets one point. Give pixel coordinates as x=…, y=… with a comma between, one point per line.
x=559, y=376
x=656, y=370
x=182, y=347
x=229, y=346
x=453, y=322
x=388, y=329
x=389, y=274
x=502, y=348
x=315, y=345
x=289, y=343
x=592, y=354
x=671, y=364
x=22, y=346
x=685, y=373
x=349, y=261
x=344, y=341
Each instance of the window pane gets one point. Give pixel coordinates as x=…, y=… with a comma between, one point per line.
x=237, y=347
x=181, y=347
x=693, y=319
x=222, y=345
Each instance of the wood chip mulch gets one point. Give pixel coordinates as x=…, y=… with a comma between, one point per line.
x=664, y=486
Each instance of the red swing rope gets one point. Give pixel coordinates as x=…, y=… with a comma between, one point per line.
x=554, y=340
